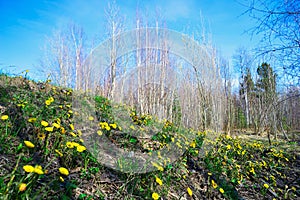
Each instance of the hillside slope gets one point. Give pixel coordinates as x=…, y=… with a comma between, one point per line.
x=44, y=156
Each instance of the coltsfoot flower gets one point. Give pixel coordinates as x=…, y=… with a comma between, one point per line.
x=63, y=171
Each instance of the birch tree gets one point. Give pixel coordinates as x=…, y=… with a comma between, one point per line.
x=243, y=64
x=114, y=27
x=64, y=53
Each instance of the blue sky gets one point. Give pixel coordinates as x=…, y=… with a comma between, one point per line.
x=25, y=24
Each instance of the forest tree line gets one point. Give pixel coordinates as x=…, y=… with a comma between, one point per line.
x=256, y=92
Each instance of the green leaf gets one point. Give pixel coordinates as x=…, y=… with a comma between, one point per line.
x=169, y=166
x=81, y=196
x=19, y=147
x=133, y=140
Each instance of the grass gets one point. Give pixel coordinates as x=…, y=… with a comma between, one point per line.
x=43, y=154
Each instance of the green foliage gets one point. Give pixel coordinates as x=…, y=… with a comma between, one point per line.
x=240, y=119
x=176, y=111
x=235, y=162
x=267, y=79
x=104, y=108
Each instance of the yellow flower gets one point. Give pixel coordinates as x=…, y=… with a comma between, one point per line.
x=62, y=129
x=70, y=145
x=228, y=146
x=107, y=128
x=104, y=125
x=63, y=171
x=193, y=144
x=221, y=190
x=47, y=102
x=91, y=118
x=56, y=125
x=209, y=173
x=158, y=180
x=72, y=127
x=214, y=184
x=266, y=186
x=22, y=187
x=73, y=134
x=228, y=137
x=75, y=144
x=41, y=136
x=190, y=192
x=252, y=170
x=81, y=148
x=99, y=132
x=58, y=152
x=155, y=196
x=160, y=168
x=51, y=99
x=44, y=123
x=58, y=120
x=29, y=144
x=61, y=179
x=114, y=126
x=243, y=152
x=28, y=168
x=33, y=119
x=19, y=105
x=50, y=128
x=38, y=169
x=4, y=117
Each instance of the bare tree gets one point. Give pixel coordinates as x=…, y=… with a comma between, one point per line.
x=57, y=59
x=243, y=64
x=226, y=74
x=64, y=55
x=278, y=22
x=81, y=72
x=114, y=26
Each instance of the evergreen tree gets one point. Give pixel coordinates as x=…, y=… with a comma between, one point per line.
x=266, y=100
x=267, y=79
